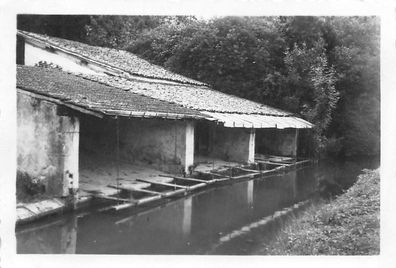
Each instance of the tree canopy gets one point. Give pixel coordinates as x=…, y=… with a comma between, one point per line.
x=325, y=69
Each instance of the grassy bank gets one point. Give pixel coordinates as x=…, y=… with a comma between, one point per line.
x=347, y=225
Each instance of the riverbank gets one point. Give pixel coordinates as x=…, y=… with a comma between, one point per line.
x=348, y=225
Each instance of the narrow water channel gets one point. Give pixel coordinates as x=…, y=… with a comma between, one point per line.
x=195, y=224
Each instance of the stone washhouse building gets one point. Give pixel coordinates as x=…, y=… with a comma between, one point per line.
x=87, y=115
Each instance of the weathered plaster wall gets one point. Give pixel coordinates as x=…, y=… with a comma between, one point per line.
x=34, y=55
x=232, y=144
x=29, y=54
x=47, y=144
x=276, y=141
x=165, y=144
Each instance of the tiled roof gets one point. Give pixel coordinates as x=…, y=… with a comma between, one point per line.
x=94, y=96
x=199, y=98
x=183, y=92
x=258, y=120
x=120, y=59
x=190, y=94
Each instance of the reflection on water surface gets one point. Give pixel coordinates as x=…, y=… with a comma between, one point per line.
x=190, y=225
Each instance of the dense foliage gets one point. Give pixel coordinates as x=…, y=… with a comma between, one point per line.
x=69, y=27
x=325, y=69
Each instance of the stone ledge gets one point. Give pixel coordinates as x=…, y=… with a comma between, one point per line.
x=30, y=211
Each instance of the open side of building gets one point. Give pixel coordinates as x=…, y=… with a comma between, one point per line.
x=69, y=127
x=92, y=125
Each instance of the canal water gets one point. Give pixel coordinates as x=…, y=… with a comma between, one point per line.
x=214, y=221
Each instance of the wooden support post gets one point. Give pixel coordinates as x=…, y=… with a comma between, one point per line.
x=295, y=144
x=189, y=148
x=70, y=150
x=252, y=141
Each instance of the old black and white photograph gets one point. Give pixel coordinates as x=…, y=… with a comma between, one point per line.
x=189, y=134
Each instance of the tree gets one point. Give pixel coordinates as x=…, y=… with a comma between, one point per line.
x=64, y=26
x=311, y=88
x=161, y=43
x=318, y=67
x=325, y=69
x=118, y=31
x=357, y=63
x=237, y=55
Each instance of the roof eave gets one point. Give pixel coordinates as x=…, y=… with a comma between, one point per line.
x=49, y=98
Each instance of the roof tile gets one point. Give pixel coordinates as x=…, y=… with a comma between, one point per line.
x=199, y=98
x=120, y=59
x=92, y=95
x=186, y=92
